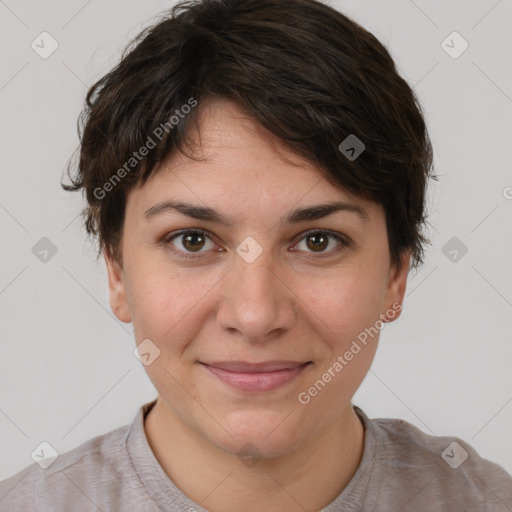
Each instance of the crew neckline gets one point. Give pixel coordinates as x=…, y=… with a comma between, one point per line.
x=164, y=491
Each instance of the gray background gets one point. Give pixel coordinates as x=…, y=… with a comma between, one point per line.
x=67, y=368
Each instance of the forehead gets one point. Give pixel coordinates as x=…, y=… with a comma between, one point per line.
x=228, y=135
x=237, y=163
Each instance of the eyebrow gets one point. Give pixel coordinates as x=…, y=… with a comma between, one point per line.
x=206, y=213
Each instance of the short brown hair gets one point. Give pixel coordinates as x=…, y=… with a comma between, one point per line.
x=306, y=72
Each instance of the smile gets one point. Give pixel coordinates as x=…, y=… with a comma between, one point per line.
x=256, y=377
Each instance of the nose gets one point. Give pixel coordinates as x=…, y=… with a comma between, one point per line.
x=256, y=303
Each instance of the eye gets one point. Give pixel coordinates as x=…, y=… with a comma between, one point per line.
x=318, y=241
x=185, y=243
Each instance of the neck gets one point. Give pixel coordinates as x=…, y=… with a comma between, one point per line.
x=308, y=477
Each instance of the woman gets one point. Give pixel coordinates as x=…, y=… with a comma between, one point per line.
x=255, y=173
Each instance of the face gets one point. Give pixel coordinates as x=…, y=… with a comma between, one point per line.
x=258, y=318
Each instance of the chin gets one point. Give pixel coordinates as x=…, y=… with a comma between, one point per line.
x=258, y=434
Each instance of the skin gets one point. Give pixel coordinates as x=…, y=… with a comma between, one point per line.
x=282, y=306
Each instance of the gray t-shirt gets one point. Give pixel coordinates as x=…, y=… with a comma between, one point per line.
x=402, y=469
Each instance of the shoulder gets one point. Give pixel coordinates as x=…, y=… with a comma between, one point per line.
x=97, y=463
x=423, y=469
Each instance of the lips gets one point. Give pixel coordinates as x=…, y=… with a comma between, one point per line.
x=242, y=367
x=249, y=376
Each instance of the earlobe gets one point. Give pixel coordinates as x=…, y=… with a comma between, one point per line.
x=117, y=289
x=396, y=288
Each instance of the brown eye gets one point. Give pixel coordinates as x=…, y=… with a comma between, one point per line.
x=189, y=242
x=193, y=242
x=318, y=241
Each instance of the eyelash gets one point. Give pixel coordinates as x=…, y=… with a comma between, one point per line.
x=343, y=242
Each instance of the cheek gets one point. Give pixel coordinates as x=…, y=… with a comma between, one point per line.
x=349, y=309
x=167, y=304
x=346, y=305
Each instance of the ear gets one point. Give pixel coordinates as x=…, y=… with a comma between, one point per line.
x=117, y=290
x=397, y=281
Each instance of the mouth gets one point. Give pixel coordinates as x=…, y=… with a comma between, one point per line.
x=256, y=377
